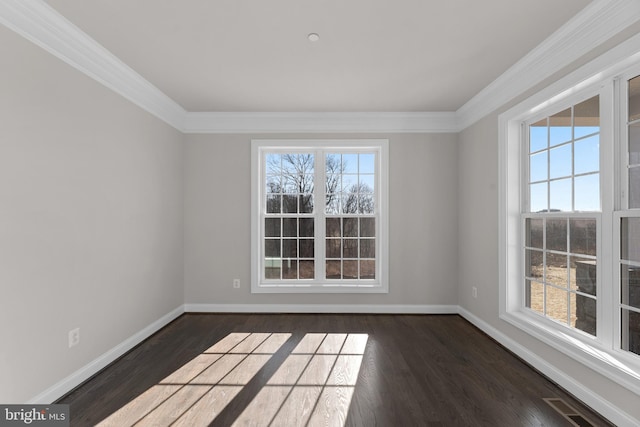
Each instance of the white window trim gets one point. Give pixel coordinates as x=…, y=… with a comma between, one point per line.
x=601, y=353
x=378, y=285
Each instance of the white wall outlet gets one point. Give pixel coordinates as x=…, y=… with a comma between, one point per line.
x=474, y=292
x=236, y=283
x=74, y=337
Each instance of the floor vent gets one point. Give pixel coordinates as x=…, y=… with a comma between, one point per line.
x=568, y=412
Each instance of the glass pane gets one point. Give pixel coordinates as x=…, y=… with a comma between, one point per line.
x=333, y=227
x=290, y=204
x=350, y=248
x=587, y=193
x=585, y=314
x=350, y=227
x=306, y=227
x=538, y=164
x=557, y=234
x=289, y=248
x=306, y=248
x=306, y=203
x=368, y=269
x=273, y=164
x=367, y=184
x=560, y=195
x=350, y=269
x=634, y=188
x=272, y=268
x=560, y=161
x=365, y=204
x=583, y=275
x=634, y=99
x=586, y=118
x=272, y=227
x=535, y=296
x=290, y=185
x=538, y=136
x=349, y=163
x=333, y=248
x=334, y=270
x=586, y=154
x=560, y=127
x=368, y=163
x=332, y=203
x=272, y=248
x=534, y=267
x=630, y=286
x=290, y=227
x=630, y=239
x=273, y=204
x=556, y=271
x=350, y=203
x=556, y=304
x=273, y=184
x=367, y=227
x=534, y=232
x=289, y=269
x=538, y=197
x=630, y=331
x=582, y=236
x=367, y=248
x=634, y=144
x=306, y=269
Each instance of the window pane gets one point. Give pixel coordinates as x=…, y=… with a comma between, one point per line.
x=350, y=227
x=538, y=197
x=306, y=248
x=272, y=268
x=332, y=203
x=350, y=269
x=306, y=203
x=582, y=236
x=585, y=314
x=349, y=163
x=630, y=239
x=634, y=99
x=534, y=233
x=367, y=227
x=290, y=204
x=273, y=164
x=272, y=248
x=368, y=269
x=273, y=184
x=306, y=269
x=535, y=296
x=289, y=248
x=290, y=227
x=583, y=275
x=587, y=155
x=560, y=127
x=534, y=267
x=334, y=270
x=634, y=188
x=587, y=193
x=538, y=136
x=333, y=227
x=538, y=164
x=367, y=184
x=556, y=270
x=557, y=304
x=289, y=269
x=560, y=161
x=306, y=227
x=272, y=227
x=273, y=204
x=557, y=234
x=367, y=248
x=634, y=144
x=367, y=163
x=630, y=286
x=333, y=248
x=560, y=195
x=586, y=120
x=350, y=248
x=631, y=331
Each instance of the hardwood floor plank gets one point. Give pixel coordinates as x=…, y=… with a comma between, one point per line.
x=203, y=412
x=174, y=407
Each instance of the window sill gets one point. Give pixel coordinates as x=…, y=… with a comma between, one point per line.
x=588, y=351
x=316, y=288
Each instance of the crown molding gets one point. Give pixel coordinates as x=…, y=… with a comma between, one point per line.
x=38, y=22
x=595, y=24
x=321, y=122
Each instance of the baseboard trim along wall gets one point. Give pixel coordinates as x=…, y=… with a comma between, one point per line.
x=322, y=308
x=67, y=384
x=596, y=401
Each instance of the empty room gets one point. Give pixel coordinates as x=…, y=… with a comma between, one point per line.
x=301, y=213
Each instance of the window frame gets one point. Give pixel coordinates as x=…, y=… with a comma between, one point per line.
x=604, y=76
x=259, y=148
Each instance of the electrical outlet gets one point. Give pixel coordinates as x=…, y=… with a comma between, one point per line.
x=236, y=283
x=474, y=292
x=74, y=337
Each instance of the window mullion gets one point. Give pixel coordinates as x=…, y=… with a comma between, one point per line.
x=319, y=215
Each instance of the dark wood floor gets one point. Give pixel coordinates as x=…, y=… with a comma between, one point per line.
x=417, y=370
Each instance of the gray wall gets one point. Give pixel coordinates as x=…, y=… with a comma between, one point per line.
x=422, y=228
x=91, y=224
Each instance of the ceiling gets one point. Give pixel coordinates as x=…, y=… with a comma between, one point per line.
x=372, y=56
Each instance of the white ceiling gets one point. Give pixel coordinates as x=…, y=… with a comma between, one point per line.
x=372, y=56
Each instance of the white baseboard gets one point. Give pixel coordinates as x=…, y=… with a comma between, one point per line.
x=322, y=308
x=596, y=401
x=67, y=384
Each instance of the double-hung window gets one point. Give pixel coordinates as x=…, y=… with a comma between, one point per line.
x=319, y=216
